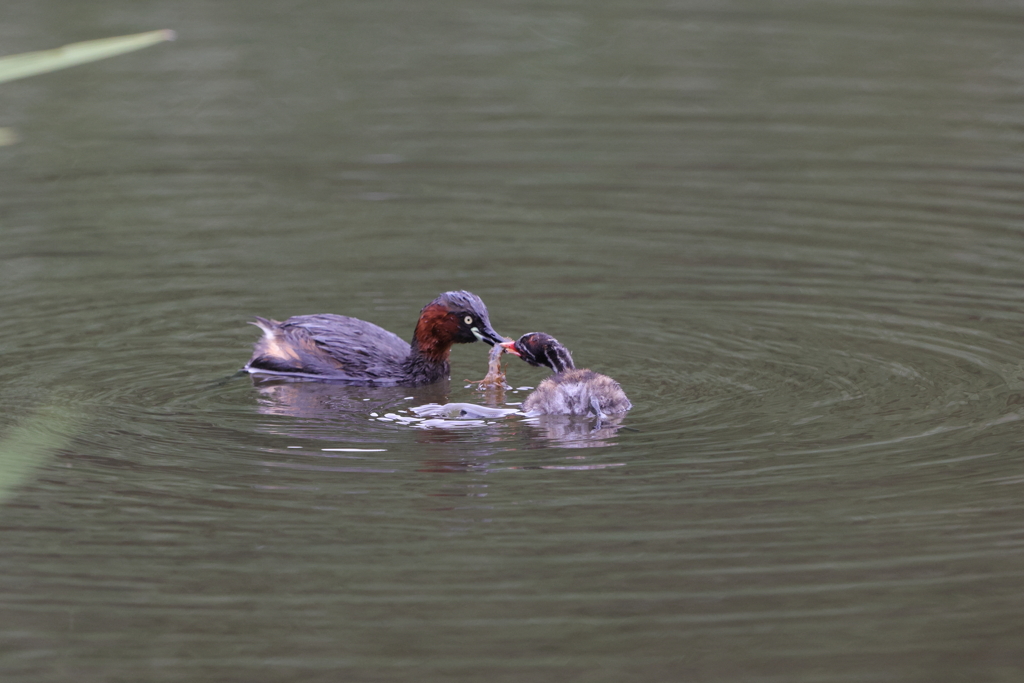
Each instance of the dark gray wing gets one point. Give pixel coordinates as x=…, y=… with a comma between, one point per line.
x=354, y=347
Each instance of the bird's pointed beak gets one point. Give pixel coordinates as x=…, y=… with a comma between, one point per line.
x=487, y=335
x=510, y=347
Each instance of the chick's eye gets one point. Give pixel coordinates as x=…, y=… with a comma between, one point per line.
x=468, y=320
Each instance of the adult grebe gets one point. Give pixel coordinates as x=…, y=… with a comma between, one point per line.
x=339, y=348
x=570, y=391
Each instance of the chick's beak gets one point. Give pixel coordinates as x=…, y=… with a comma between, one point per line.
x=510, y=347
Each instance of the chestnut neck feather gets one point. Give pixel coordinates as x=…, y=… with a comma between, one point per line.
x=435, y=333
x=427, y=361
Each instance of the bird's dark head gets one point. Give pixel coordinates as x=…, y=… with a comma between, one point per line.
x=458, y=317
x=540, y=349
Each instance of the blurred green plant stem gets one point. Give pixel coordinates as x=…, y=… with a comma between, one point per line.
x=31, y=63
x=32, y=441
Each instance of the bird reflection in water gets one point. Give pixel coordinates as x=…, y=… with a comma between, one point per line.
x=324, y=408
x=575, y=432
x=336, y=401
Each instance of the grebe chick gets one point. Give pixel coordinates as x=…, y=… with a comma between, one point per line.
x=571, y=390
x=336, y=347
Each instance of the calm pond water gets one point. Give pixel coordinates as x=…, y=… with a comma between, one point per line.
x=791, y=230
